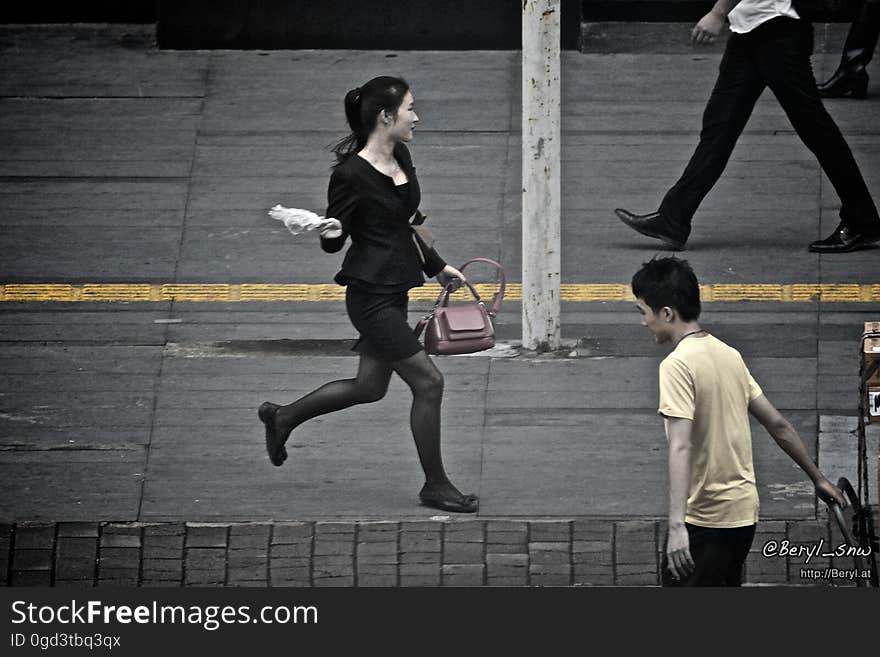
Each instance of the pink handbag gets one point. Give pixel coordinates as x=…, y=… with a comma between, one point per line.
x=465, y=328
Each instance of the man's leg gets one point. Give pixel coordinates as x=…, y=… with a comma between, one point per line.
x=784, y=61
x=851, y=76
x=737, y=89
x=741, y=543
x=718, y=556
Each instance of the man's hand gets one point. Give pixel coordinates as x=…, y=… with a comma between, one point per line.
x=678, y=552
x=332, y=229
x=708, y=27
x=829, y=493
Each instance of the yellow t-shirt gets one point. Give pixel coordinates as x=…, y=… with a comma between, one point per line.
x=706, y=381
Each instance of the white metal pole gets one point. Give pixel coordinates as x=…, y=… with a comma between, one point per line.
x=540, y=174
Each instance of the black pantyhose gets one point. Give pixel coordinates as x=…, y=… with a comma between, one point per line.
x=424, y=380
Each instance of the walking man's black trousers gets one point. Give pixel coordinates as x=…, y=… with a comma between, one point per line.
x=776, y=54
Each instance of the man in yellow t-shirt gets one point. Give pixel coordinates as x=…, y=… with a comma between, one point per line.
x=706, y=395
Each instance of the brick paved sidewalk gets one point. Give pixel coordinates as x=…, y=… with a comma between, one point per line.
x=502, y=552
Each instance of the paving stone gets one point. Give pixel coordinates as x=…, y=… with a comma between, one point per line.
x=507, y=566
x=333, y=559
x=504, y=580
x=249, y=537
x=323, y=570
x=420, y=569
x=205, y=558
x=341, y=580
x=377, y=549
x=32, y=560
x=78, y=530
x=760, y=569
x=252, y=574
x=507, y=560
x=76, y=558
x=549, y=531
x=249, y=584
x=204, y=578
x=637, y=579
x=34, y=536
x=419, y=558
x=462, y=553
x=120, y=536
x=118, y=577
x=285, y=565
x=592, y=576
x=422, y=526
x=293, y=583
x=346, y=529
x=507, y=548
x=377, y=581
x=163, y=546
x=585, y=547
x=463, y=574
x=242, y=561
x=160, y=583
x=466, y=531
x=549, y=553
x=75, y=546
x=420, y=580
x=123, y=557
x=113, y=540
x=517, y=536
x=412, y=542
x=592, y=530
x=323, y=547
x=31, y=578
x=162, y=569
x=507, y=526
x=292, y=533
x=549, y=575
x=206, y=536
x=287, y=550
x=166, y=531
x=378, y=531
x=73, y=583
x=163, y=553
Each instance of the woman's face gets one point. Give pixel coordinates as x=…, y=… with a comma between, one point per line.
x=402, y=126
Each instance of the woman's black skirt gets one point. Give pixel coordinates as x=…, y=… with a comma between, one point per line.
x=381, y=320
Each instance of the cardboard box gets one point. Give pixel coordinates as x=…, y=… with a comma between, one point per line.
x=873, y=406
x=871, y=356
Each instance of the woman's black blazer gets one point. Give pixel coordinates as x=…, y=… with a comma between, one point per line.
x=376, y=215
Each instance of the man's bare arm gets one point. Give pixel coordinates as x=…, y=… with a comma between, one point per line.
x=790, y=441
x=678, y=432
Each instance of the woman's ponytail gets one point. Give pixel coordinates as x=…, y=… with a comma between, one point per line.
x=362, y=107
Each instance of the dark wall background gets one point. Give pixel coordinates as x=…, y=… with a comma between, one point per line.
x=79, y=11
x=392, y=25
x=362, y=24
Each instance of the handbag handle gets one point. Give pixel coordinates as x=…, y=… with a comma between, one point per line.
x=443, y=297
x=496, y=300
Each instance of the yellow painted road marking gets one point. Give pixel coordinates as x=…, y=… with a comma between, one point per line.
x=577, y=292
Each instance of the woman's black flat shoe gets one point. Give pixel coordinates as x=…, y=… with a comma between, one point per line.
x=275, y=448
x=456, y=504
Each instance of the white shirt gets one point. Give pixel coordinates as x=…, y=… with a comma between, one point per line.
x=749, y=14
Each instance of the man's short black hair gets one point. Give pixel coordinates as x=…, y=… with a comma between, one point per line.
x=668, y=282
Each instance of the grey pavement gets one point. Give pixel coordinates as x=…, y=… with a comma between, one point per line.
x=120, y=163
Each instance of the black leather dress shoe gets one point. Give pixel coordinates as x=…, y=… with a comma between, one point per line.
x=848, y=81
x=844, y=239
x=654, y=225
